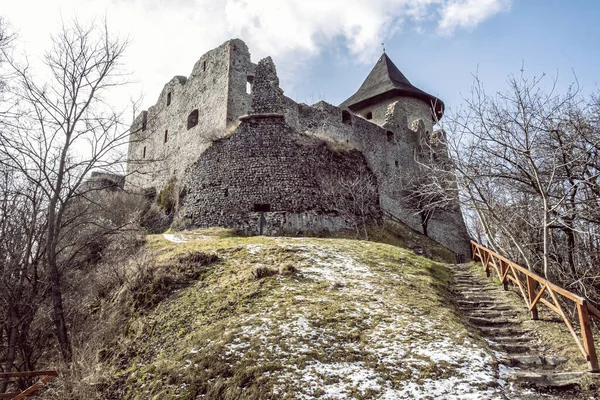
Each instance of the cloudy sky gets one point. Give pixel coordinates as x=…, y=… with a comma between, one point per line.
x=325, y=48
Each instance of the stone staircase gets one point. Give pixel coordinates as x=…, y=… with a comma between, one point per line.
x=528, y=367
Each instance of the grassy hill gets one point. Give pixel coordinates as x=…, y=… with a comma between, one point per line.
x=206, y=314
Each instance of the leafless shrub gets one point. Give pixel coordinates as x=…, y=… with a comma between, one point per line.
x=353, y=195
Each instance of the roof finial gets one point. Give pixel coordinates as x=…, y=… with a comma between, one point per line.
x=383, y=45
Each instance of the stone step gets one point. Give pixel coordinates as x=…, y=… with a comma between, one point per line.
x=523, y=360
x=512, y=339
x=512, y=348
x=487, y=313
x=459, y=287
x=481, y=298
x=548, y=381
x=472, y=291
x=500, y=321
x=494, y=307
x=503, y=331
x=520, y=360
x=554, y=361
x=484, y=301
x=481, y=303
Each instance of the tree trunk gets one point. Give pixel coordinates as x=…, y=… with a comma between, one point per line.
x=58, y=313
x=11, y=350
x=545, y=234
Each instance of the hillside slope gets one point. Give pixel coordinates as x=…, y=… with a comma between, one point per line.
x=298, y=318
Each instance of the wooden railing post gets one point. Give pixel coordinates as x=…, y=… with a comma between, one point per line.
x=504, y=279
x=586, y=335
x=531, y=293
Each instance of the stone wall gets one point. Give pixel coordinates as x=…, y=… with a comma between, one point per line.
x=389, y=149
x=266, y=165
x=217, y=89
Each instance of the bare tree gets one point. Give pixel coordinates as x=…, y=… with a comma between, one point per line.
x=431, y=187
x=64, y=129
x=353, y=195
x=528, y=167
x=22, y=226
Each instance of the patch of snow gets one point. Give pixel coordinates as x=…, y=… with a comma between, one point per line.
x=175, y=238
x=254, y=248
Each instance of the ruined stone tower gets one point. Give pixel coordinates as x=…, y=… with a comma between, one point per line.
x=244, y=155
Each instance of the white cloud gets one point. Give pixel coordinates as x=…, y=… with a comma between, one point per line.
x=168, y=36
x=468, y=13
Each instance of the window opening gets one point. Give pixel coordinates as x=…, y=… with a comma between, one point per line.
x=166, y=135
x=204, y=66
x=346, y=117
x=249, y=82
x=262, y=207
x=192, y=120
x=144, y=152
x=396, y=163
x=169, y=99
x=144, y=121
x=369, y=115
x=390, y=136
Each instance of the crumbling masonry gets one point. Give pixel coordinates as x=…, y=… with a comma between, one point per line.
x=243, y=155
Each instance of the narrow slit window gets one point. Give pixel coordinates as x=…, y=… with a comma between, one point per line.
x=166, y=135
x=396, y=163
x=144, y=121
x=144, y=152
x=192, y=119
x=369, y=115
x=169, y=99
x=249, y=82
x=204, y=66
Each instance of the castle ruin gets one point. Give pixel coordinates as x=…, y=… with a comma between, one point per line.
x=243, y=155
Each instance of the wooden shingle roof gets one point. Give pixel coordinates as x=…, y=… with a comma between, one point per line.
x=386, y=81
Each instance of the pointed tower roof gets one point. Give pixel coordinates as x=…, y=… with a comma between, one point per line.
x=386, y=81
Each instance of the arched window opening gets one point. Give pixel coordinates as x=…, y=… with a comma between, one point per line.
x=390, y=136
x=169, y=99
x=249, y=82
x=346, y=117
x=192, y=120
x=396, y=164
x=166, y=135
x=144, y=152
x=369, y=115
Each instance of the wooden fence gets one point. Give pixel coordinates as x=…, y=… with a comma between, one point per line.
x=537, y=290
x=47, y=376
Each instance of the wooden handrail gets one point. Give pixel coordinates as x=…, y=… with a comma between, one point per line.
x=508, y=271
x=47, y=376
x=27, y=374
